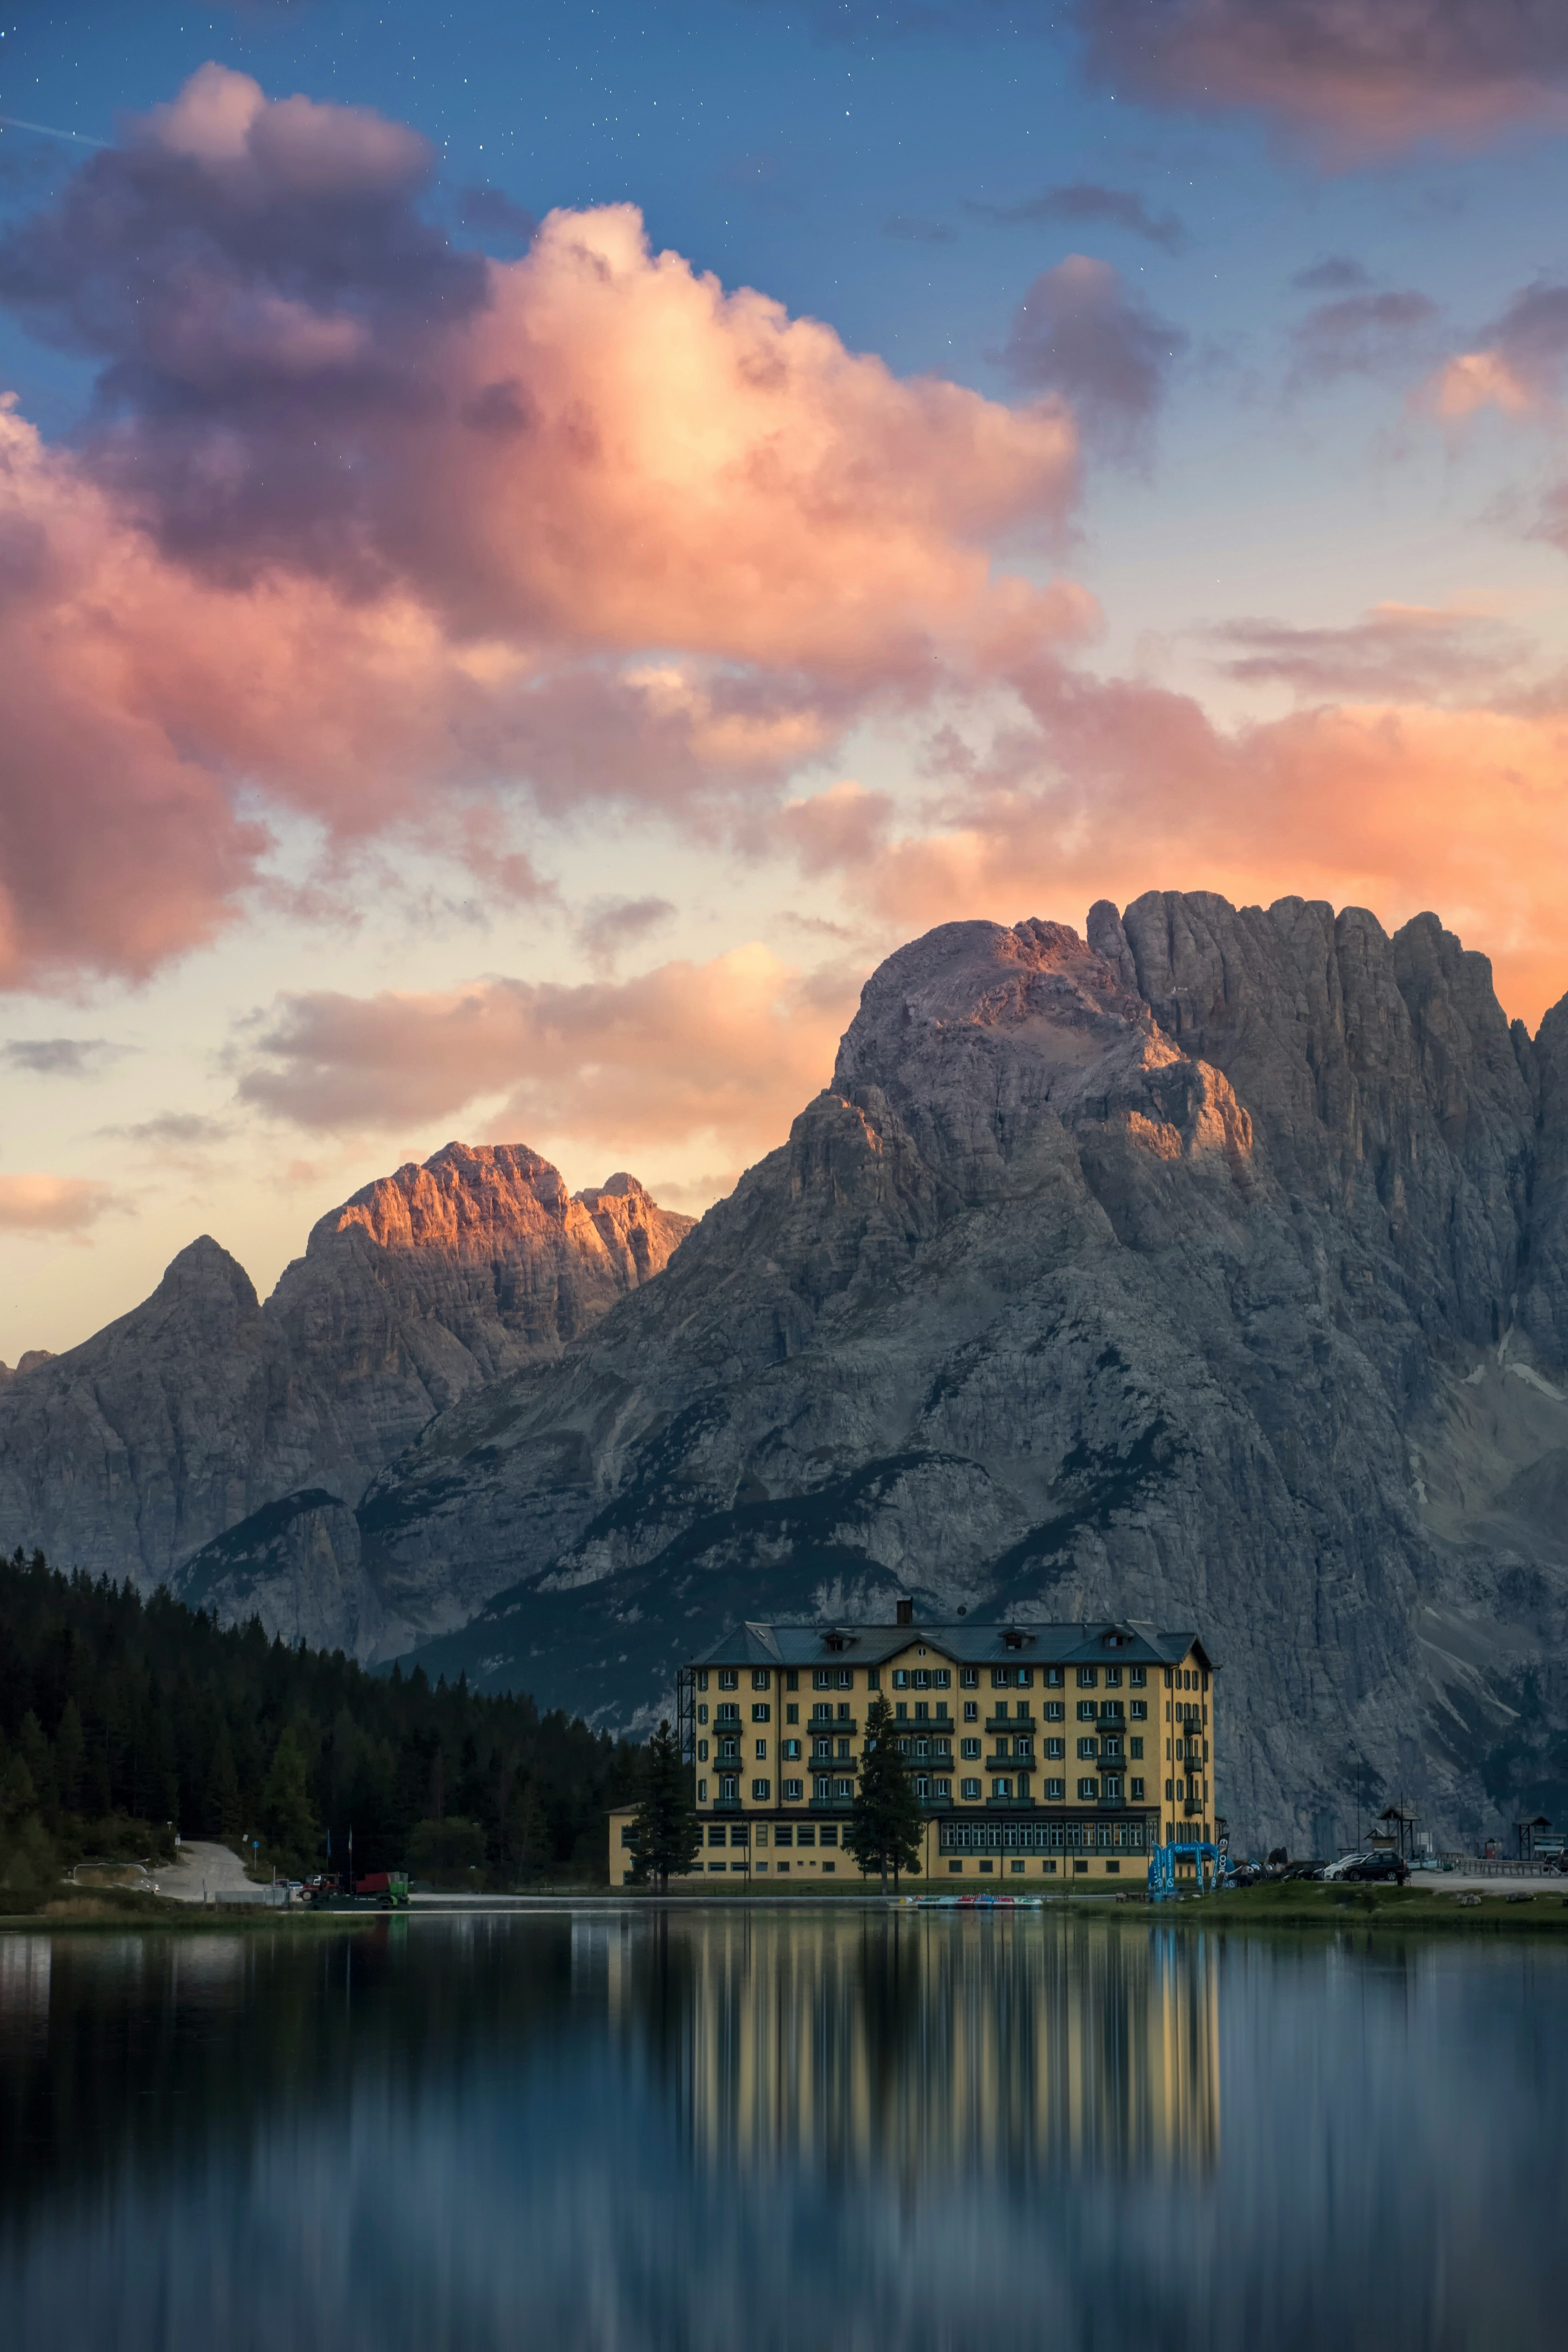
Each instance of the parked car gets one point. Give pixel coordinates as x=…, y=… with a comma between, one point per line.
x=1374, y=1867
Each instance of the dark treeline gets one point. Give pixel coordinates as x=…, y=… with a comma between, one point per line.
x=124, y=1721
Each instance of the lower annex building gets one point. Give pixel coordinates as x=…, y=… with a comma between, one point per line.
x=1035, y=1750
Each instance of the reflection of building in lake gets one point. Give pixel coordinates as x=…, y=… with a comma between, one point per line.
x=930, y=2044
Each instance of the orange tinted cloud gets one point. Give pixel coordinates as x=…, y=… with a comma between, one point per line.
x=51, y=1204
x=381, y=526
x=723, y=1054
x=1120, y=788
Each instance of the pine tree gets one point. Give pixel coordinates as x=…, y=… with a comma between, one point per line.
x=70, y=1756
x=529, y=1843
x=222, y=1791
x=887, y=1827
x=286, y=1814
x=666, y=1833
x=36, y=1755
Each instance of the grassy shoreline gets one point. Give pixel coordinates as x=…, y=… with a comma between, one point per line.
x=1293, y=1907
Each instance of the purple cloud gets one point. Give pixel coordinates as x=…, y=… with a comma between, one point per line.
x=1081, y=332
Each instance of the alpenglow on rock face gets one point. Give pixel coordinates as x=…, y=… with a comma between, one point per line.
x=175, y=1424
x=1212, y=1269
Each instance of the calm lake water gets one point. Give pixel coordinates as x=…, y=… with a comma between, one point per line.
x=726, y=2130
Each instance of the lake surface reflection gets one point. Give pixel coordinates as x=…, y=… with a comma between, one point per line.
x=727, y=2129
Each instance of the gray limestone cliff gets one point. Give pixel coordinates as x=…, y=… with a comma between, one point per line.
x=203, y=1407
x=1213, y=1270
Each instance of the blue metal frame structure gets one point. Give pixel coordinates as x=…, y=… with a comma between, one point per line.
x=1163, y=1862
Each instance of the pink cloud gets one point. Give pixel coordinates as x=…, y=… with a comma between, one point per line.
x=1114, y=788
x=51, y=1204
x=726, y=1051
x=365, y=528
x=1354, y=78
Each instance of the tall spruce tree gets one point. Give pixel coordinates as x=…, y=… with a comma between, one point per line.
x=887, y=1826
x=666, y=1834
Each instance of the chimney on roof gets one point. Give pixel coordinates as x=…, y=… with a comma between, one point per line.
x=906, y=1612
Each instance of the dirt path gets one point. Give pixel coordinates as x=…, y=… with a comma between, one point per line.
x=206, y=1872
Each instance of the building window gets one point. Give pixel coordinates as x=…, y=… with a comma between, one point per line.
x=1138, y=1676
x=1137, y=1791
x=717, y=1833
x=1053, y=1710
x=793, y=1790
x=791, y=1715
x=728, y=1751
x=729, y=1679
x=626, y=1836
x=761, y=1791
x=761, y=1678
x=843, y=1751
x=806, y=1833
x=703, y=1714
x=1138, y=1709
x=1001, y=1788
x=729, y=1713
x=762, y=1748
x=784, y=1833
x=703, y=1792
x=1056, y=1749
x=791, y=1680
x=790, y=1751
x=1087, y=1790
x=729, y=1788
x=1087, y=1711
x=828, y=1833
x=822, y=1749
x=922, y=1710
x=1110, y=1710
x=762, y=1714
x=941, y=1679
x=945, y=1789
x=900, y=1679
x=1112, y=1677
x=844, y=1679
x=1087, y=1677
x=971, y=1711
x=844, y=1789
x=1053, y=1677
x=922, y=1785
x=1054, y=1791
x=970, y=1750
x=702, y=1681
x=762, y=1832
x=702, y=1752
x=1170, y=1790
x=1135, y=1748
x=1086, y=1748
x=1112, y=1786
x=822, y=1713
x=821, y=1679
x=969, y=1677
x=972, y=1789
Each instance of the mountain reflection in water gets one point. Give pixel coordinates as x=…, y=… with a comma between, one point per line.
x=712, y=2129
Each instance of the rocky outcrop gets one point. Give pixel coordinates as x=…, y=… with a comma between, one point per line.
x=202, y=1407
x=1208, y=1270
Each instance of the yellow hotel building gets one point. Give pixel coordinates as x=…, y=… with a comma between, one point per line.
x=1036, y=1751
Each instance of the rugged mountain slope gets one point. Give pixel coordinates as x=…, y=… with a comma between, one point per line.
x=202, y=1406
x=1214, y=1269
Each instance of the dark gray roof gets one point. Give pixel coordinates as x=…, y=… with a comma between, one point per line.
x=965, y=1642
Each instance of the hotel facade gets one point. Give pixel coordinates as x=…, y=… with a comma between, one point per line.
x=1035, y=1752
